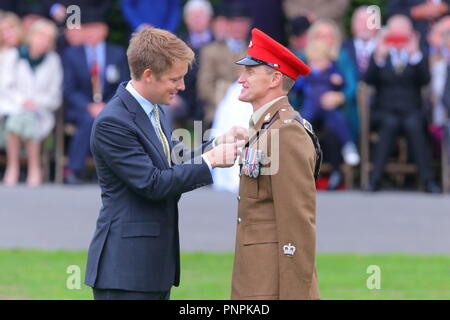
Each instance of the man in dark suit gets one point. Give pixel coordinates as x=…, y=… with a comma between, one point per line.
x=197, y=16
x=363, y=43
x=398, y=70
x=135, y=251
x=92, y=73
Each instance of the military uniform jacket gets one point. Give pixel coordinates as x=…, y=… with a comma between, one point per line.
x=276, y=229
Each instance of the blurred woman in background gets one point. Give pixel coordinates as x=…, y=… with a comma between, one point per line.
x=31, y=81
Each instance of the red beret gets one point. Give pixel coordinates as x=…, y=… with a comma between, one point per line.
x=263, y=50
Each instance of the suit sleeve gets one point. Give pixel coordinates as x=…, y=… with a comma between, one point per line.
x=294, y=197
x=119, y=147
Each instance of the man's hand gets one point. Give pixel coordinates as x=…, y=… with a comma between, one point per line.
x=234, y=134
x=413, y=45
x=95, y=108
x=224, y=155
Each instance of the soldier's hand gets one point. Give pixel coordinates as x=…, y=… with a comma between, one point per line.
x=224, y=155
x=234, y=134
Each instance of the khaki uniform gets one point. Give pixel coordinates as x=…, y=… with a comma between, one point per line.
x=217, y=72
x=276, y=227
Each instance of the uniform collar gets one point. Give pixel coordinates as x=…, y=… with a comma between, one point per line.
x=271, y=111
x=256, y=116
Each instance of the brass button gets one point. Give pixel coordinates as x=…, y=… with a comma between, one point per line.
x=239, y=220
x=238, y=198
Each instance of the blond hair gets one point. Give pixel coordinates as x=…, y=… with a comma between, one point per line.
x=42, y=24
x=312, y=34
x=157, y=50
x=318, y=49
x=15, y=21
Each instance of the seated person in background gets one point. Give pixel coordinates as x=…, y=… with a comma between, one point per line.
x=31, y=81
x=217, y=70
x=398, y=70
x=197, y=16
x=361, y=46
x=92, y=73
x=323, y=78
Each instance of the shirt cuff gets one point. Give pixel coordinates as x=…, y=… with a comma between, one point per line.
x=214, y=144
x=207, y=162
x=416, y=58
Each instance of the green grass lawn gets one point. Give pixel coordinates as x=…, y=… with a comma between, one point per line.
x=26, y=274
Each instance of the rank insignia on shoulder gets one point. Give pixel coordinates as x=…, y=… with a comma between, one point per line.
x=252, y=162
x=308, y=126
x=289, y=249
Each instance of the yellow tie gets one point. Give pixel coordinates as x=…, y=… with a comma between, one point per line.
x=162, y=136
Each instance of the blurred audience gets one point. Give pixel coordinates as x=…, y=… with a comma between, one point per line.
x=328, y=32
x=399, y=70
x=325, y=77
x=219, y=23
x=318, y=9
x=217, y=68
x=230, y=112
x=91, y=75
x=31, y=81
x=363, y=43
x=423, y=13
x=197, y=16
x=163, y=14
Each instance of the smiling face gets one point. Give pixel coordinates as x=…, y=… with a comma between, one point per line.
x=162, y=89
x=256, y=82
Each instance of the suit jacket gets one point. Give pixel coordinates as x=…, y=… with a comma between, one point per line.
x=136, y=242
x=77, y=77
x=277, y=215
x=398, y=93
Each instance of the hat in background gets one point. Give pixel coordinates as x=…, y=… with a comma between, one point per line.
x=88, y=16
x=299, y=25
x=235, y=9
x=263, y=50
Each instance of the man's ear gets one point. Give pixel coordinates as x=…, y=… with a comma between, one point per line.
x=277, y=79
x=147, y=75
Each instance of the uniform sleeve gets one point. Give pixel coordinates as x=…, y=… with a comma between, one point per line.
x=294, y=197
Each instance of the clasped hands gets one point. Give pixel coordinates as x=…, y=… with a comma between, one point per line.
x=226, y=151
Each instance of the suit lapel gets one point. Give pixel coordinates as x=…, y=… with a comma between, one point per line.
x=142, y=121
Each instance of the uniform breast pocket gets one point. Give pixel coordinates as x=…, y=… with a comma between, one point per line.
x=248, y=187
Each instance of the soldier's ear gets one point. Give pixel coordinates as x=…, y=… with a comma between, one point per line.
x=277, y=79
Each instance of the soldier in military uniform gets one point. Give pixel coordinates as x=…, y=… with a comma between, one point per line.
x=276, y=224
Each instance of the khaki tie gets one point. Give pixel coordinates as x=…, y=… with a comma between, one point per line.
x=162, y=136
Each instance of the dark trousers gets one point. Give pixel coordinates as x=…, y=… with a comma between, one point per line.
x=114, y=294
x=390, y=127
x=79, y=147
